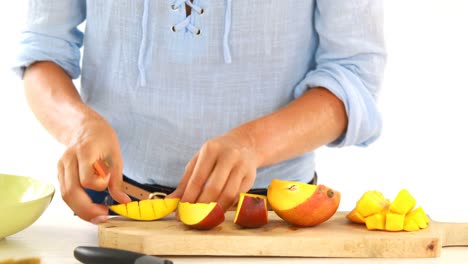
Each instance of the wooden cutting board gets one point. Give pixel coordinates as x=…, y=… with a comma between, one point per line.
x=334, y=238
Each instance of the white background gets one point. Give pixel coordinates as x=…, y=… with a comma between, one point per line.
x=424, y=104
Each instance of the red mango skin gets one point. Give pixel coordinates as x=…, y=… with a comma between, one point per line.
x=213, y=219
x=252, y=213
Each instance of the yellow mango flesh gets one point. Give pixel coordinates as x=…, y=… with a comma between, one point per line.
x=356, y=217
x=377, y=213
x=146, y=210
x=419, y=217
x=133, y=210
x=375, y=221
x=410, y=225
x=394, y=222
x=372, y=202
x=288, y=195
x=403, y=203
x=194, y=213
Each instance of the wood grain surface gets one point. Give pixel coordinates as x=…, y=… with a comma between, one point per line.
x=336, y=237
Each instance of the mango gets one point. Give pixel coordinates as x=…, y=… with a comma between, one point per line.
x=394, y=222
x=377, y=213
x=403, y=203
x=376, y=221
x=372, y=202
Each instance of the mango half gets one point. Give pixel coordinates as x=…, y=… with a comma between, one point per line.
x=302, y=204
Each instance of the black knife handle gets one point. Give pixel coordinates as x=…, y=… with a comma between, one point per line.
x=101, y=255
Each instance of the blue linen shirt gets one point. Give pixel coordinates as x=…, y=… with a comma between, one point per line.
x=167, y=82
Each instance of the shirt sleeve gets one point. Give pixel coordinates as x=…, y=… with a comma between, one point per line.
x=52, y=34
x=350, y=61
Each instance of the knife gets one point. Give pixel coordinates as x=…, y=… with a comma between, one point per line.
x=102, y=255
x=101, y=168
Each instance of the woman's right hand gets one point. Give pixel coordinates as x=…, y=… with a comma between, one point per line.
x=88, y=137
x=94, y=140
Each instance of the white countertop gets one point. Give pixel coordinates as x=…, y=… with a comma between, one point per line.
x=55, y=235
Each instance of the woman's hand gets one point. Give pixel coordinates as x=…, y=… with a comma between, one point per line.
x=56, y=103
x=221, y=169
x=95, y=140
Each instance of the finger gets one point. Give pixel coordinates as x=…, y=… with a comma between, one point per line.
x=89, y=177
x=203, y=168
x=179, y=191
x=75, y=196
x=84, y=207
x=248, y=181
x=61, y=178
x=115, y=182
x=218, y=178
x=231, y=190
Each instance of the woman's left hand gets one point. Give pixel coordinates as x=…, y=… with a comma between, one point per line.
x=224, y=167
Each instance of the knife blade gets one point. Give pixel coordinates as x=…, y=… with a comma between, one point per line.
x=102, y=255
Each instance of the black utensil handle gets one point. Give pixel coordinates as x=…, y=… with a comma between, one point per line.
x=101, y=255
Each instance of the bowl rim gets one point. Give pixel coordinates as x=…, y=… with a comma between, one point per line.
x=47, y=195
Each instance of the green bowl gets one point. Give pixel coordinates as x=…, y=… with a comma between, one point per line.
x=22, y=202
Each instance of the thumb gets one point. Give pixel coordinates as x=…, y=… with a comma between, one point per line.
x=177, y=193
x=116, y=191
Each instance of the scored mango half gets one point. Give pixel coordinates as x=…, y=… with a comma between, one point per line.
x=146, y=210
x=378, y=213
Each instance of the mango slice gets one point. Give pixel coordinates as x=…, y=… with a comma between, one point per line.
x=377, y=213
x=146, y=210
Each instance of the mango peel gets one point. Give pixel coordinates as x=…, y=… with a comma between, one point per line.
x=378, y=213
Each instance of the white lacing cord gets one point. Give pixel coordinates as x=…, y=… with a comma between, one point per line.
x=143, y=44
x=185, y=24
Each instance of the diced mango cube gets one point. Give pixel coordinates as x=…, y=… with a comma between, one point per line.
x=356, y=217
x=410, y=225
x=372, y=202
x=394, y=222
x=423, y=213
x=419, y=217
x=404, y=202
x=375, y=221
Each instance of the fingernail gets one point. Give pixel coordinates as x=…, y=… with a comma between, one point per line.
x=99, y=219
